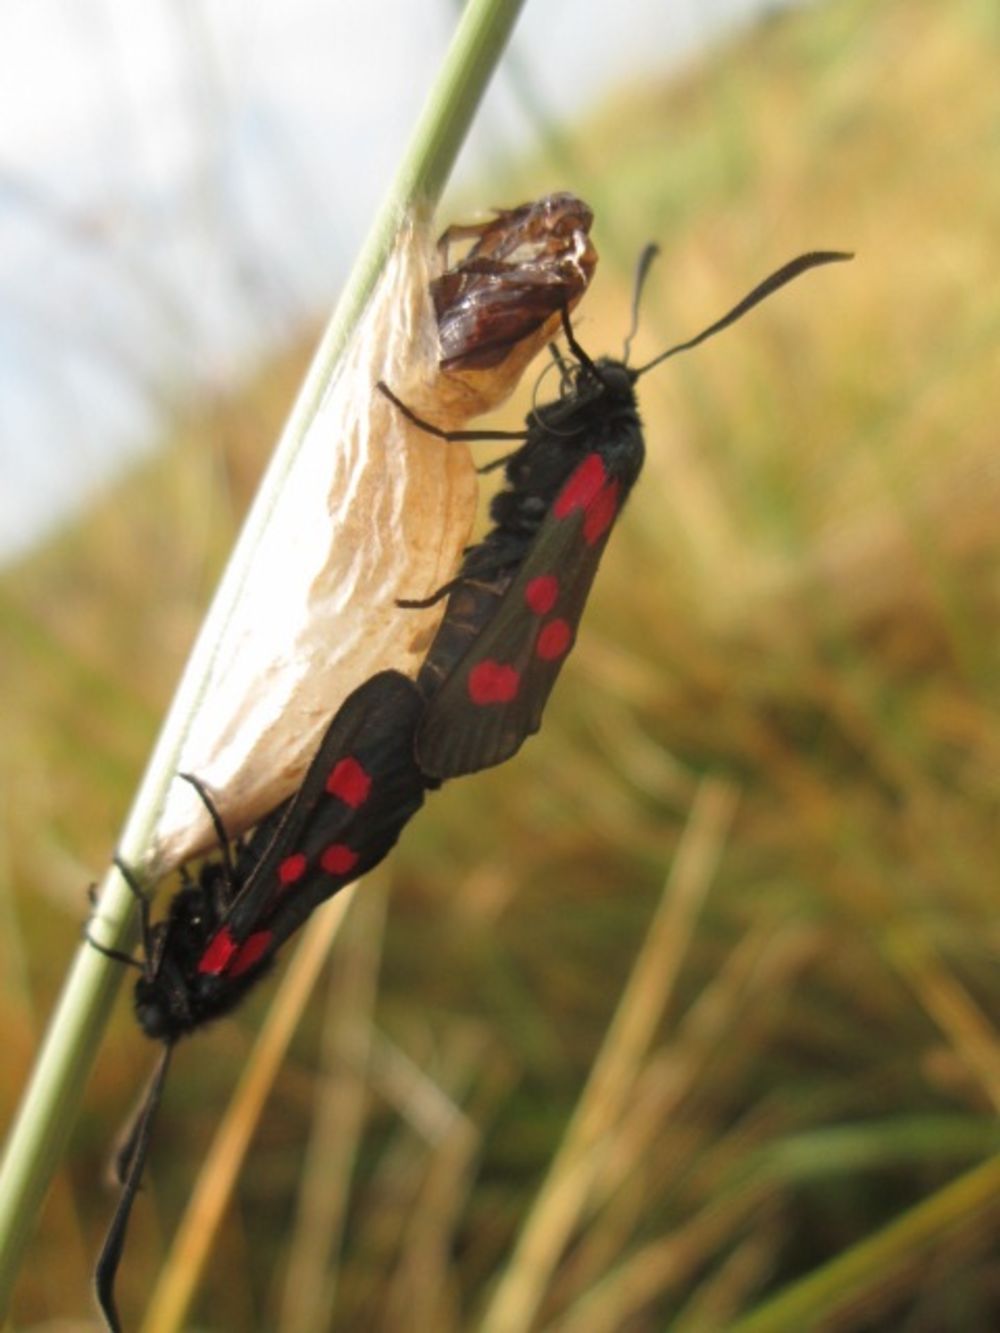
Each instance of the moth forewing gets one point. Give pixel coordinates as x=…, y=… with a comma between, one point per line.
x=514, y=608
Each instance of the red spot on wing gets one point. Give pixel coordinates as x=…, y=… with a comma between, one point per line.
x=349, y=781
x=338, y=859
x=493, y=683
x=582, y=487
x=601, y=512
x=540, y=594
x=554, y=640
x=292, y=868
x=219, y=953
x=251, y=952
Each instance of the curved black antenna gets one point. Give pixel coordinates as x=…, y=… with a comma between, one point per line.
x=763, y=289
x=645, y=261
x=559, y=363
x=583, y=360
x=133, y=1159
x=575, y=347
x=217, y=824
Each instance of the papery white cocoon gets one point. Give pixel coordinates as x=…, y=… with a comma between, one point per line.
x=372, y=509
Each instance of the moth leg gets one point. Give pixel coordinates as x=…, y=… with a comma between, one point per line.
x=422, y=603
x=497, y=463
x=119, y=955
x=128, y=876
x=145, y=926
x=452, y=436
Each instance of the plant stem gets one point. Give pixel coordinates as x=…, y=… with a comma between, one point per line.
x=869, y=1268
x=50, y=1103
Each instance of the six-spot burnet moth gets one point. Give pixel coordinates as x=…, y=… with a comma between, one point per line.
x=222, y=931
x=515, y=605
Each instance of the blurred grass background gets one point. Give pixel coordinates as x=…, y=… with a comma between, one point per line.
x=782, y=707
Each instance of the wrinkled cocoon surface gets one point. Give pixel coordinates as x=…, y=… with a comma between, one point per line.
x=373, y=509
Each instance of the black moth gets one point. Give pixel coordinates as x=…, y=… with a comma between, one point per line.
x=222, y=931
x=514, y=607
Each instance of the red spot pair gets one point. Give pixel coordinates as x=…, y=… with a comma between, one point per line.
x=554, y=639
x=348, y=782
x=590, y=489
x=337, y=859
x=541, y=595
x=492, y=682
x=225, y=955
